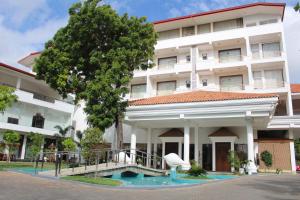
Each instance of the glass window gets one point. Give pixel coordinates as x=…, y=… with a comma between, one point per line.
x=230, y=55
x=255, y=51
x=38, y=121
x=187, y=31
x=164, y=35
x=268, y=21
x=228, y=24
x=231, y=83
x=257, y=77
x=273, y=78
x=167, y=63
x=165, y=88
x=271, y=50
x=138, y=91
x=203, y=28
x=204, y=56
x=12, y=120
x=188, y=58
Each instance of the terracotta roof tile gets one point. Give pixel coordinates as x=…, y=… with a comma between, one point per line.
x=198, y=96
x=295, y=88
x=222, y=132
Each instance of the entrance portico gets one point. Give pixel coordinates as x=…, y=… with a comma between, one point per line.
x=192, y=119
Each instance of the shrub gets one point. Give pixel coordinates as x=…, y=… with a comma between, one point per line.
x=266, y=157
x=196, y=171
x=69, y=144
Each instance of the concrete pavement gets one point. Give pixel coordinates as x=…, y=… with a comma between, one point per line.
x=14, y=186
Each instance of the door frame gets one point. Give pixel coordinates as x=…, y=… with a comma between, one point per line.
x=228, y=144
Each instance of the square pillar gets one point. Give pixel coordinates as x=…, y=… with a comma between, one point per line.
x=180, y=149
x=149, y=144
x=251, y=168
x=133, y=146
x=163, y=154
x=186, y=145
x=23, y=150
x=292, y=149
x=155, y=153
x=196, y=147
x=213, y=156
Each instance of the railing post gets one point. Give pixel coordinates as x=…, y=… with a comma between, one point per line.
x=73, y=163
x=107, y=154
x=56, y=165
x=97, y=162
x=36, y=163
x=42, y=167
x=59, y=163
x=125, y=157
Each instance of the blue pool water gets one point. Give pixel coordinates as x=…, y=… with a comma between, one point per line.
x=27, y=170
x=141, y=181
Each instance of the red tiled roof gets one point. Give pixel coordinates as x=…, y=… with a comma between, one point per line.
x=198, y=96
x=295, y=88
x=223, y=132
x=174, y=132
x=223, y=10
x=16, y=69
x=31, y=54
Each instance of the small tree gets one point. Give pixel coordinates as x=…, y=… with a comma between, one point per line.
x=266, y=157
x=69, y=144
x=37, y=141
x=11, y=140
x=297, y=7
x=92, y=138
x=62, y=133
x=7, y=97
x=234, y=160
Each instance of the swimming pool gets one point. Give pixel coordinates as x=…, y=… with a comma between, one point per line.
x=27, y=170
x=141, y=181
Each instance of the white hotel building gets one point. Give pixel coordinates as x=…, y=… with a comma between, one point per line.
x=220, y=83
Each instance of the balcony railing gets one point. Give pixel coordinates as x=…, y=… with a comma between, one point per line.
x=227, y=59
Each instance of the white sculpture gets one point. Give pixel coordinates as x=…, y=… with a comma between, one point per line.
x=122, y=156
x=173, y=161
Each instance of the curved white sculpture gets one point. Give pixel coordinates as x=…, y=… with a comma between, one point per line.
x=173, y=160
x=122, y=157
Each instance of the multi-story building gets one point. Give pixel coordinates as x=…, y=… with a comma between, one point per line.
x=38, y=109
x=220, y=83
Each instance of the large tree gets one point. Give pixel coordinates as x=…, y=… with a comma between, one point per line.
x=7, y=97
x=94, y=57
x=297, y=7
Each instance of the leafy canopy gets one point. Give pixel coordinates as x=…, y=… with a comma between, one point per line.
x=94, y=57
x=266, y=157
x=92, y=138
x=11, y=139
x=36, y=143
x=69, y=144
x=7, y=97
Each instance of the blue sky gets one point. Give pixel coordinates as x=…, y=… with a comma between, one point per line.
x=25, y=25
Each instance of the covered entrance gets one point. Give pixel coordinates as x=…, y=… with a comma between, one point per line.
x=222, y=149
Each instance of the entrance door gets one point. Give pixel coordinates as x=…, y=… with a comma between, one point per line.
x=222, y=149
x=171, y=147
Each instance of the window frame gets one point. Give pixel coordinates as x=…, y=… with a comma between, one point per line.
x=157, y=83
x=238, y=75
x=233, y=49
x=158, y=59
x=137, y=85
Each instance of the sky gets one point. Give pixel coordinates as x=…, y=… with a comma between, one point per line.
x=25, y=25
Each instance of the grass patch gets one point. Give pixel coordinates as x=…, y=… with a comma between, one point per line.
x=195, y=177
x=47, y=166
x=98, y=181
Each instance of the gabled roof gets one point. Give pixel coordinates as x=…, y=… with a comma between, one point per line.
x=198, y=96
x=174, y=132
x=16, y=69
x=223, y=10
x=295, y=88
x=222, y=132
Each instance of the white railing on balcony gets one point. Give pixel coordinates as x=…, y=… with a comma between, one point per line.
x=230, y=58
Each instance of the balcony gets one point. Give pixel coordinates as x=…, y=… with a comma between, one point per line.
x=44, y=101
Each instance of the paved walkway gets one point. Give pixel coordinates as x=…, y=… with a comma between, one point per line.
x=15, y=186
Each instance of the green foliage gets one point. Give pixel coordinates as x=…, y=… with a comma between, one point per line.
x=36, y=143
x=11, y=140
x=297, y=7
x=62, y=132
x=234, y=160
x=196, y=171
x=297, y=149
x=92, y=138
x=94, y=57
x=69, y=144
x=266, y=157
x=99, y=181
x=7, y=97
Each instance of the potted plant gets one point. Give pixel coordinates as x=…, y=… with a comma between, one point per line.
x=266, y=157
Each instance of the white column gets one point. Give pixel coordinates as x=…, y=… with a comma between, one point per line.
x=133, y=145
x=180, y=149
x=149, y=147
x=249, y=67
x=196, y=147
x=250, y=144
x=186, y=145
x=292, y=149
x=155, y=153
x=289, y=104
x=163, y=154
x=149, y=87
x=19, y=80
x=193, y=63
x=213, y=156
x=232, y=149
x=24, y=147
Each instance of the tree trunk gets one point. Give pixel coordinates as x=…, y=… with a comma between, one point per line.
x=119, y=132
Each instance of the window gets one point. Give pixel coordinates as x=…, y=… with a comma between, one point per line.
x=204, y=82
x=230, y=55
x=38, y=121
x=204, y=56
x=188, y=58
x=271, y=50
x=251, y=24
x=138, y=91
x=203, y=28
x=167, y=63
x=255, y=51
x=273, y=78
x=231, y=83
x=165, y=88
x=228, y=24
x=269, y=21
x=12, y=120
x=187, y=31
x=257, y=78
x=164, y=35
